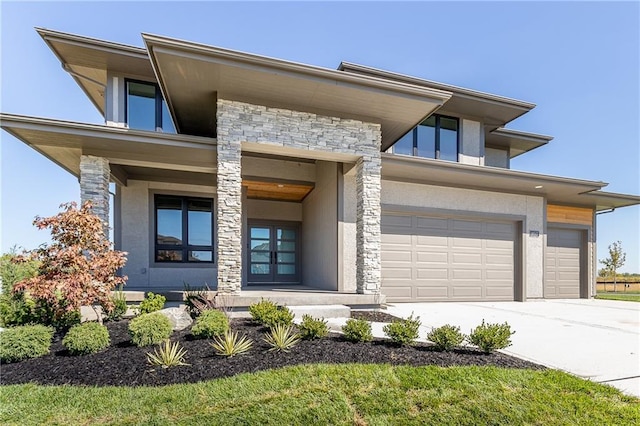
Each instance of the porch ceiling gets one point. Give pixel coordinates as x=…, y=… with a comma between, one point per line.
x=192, y=76
x=282, y=191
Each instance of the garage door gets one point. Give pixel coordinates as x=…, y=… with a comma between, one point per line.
x=562, y=263
x=441, y=258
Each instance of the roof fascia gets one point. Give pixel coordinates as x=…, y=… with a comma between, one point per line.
x=460, y=91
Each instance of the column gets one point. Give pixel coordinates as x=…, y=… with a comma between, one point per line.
x=94, y=186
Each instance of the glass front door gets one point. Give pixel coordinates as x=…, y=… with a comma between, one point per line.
x=273, y=253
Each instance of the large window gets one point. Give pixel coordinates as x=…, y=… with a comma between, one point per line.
x=146, y=109
x=435, y=137
x=184, y=229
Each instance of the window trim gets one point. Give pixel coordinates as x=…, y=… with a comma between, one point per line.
x=185, y=247
x=414, y=131
x=158, y=102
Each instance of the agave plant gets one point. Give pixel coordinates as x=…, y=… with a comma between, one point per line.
x=282, y=338
x=229, y=344
x=167, y=355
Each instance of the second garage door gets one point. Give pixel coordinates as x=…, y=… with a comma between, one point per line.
x=562, y=270
x=441, y=258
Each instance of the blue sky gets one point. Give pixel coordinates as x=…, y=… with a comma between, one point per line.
x=578, y=61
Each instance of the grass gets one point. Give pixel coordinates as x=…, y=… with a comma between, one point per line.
x=629, y=297
x=334, y=394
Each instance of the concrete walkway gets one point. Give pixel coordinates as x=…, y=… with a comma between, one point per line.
x=593, y=339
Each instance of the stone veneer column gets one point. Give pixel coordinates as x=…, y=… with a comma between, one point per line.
x=94, y=185
x=368, y=186
x=229, y=220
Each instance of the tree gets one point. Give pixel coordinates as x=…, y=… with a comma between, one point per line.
x=615, y=261
x=78, y=268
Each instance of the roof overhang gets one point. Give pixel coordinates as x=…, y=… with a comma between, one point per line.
x=495, y=111
x=192, y=76
x=516, y=142
x=178, y=158
x=88, y=60
x=555, y=189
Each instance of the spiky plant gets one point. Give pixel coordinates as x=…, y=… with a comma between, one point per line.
x=167, y=355
x=281, y=338
x=229, y=344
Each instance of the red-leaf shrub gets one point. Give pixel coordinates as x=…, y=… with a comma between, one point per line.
x=78, y=268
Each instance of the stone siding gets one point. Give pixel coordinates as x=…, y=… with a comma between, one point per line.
x=344, y=139
x=94, y=185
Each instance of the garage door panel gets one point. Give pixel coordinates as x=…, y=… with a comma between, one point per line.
x=399, y=221
x=563, y=263
x=398, y=293
x=432, y=257
x=398, y=256
x=431, y=292
x=431, y=223
x=466, y=225
x=465, y=242
x=432, y=241
x=395, y=272
x=432, y=274
x=474, y=292
x=499, y=259
x=466, y=258
x=452, y=259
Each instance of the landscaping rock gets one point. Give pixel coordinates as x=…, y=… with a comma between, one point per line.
x=179, y=318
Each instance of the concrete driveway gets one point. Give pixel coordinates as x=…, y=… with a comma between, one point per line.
x=593, y=339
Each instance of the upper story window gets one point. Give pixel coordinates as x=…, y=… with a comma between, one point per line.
x=184, y=229
x=146, y=109
x=435, y=137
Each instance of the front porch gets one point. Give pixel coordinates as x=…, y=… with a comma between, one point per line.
x=287, y=295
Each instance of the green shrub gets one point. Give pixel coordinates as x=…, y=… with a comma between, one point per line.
x=357, y=330
x=490, y=337
x=87, y=338
x=119, y=306
x=26, y=341
x=152, y=303
x=210, y=323
x=15, y=268
x=282, y=316
x=229, y=344
x=446, y=337
x=403, y=332
x=313, y=328
x=282, y=338
x=149, y=329
x=262, y=310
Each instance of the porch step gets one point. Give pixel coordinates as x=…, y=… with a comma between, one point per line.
x=321, y=311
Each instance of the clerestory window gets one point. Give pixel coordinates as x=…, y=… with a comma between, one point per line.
x=146, y=109
x=435, y=137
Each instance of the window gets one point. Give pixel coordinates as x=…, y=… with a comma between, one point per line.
x=146, y=109
x=184, y=229
x=435, y=137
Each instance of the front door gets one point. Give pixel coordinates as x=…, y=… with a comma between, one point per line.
x=273, y=253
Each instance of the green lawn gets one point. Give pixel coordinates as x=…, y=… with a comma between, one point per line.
x=334, y=394
x=629, y=297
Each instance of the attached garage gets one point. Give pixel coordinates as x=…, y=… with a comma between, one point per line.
x=433, y=258
x=563, y=260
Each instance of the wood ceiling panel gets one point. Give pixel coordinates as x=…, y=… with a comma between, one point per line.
x=276, y=191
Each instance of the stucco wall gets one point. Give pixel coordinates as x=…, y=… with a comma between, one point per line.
x=137, y=238
x=496, y=157
x=320, y=230
x=348, y=233
x=273, y=210
x=484, y=203
x=471, y=142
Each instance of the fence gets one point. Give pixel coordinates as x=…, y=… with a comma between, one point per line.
x=621, y=286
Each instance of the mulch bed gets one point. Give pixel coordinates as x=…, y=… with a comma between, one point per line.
x=123, y=364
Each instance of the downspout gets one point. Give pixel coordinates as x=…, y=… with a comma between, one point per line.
x=611, y=210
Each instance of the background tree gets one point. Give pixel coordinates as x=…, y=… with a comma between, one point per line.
x=78, y=268
x=615, y=261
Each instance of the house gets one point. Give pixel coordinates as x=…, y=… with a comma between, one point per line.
x=257, y=173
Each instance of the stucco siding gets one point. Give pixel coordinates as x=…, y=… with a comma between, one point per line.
x=320, y=230
x=137, y=238
x=496, y=157
x=273, y=210
x=481, y=204
x=471, y=142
